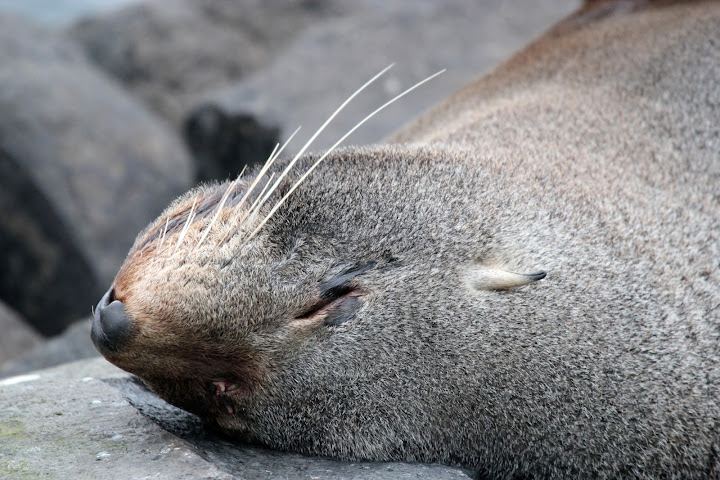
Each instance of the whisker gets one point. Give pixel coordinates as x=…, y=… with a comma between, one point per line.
x=305, y=175
x=271, y=159
x=221, y=204
x=251, y=211
x=243, y=218
x=272, y=154
x=255, y=205
x=320, y=130
x=187, y=224
x=287, y=142
x=162, y=238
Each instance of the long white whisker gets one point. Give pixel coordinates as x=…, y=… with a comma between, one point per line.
x=162, y=238
x=250, y=212
x=287, y=142
x=320, y=130
x=255, y=205
x=305, y=175
x=271, y=159
x=220, y=206
x=272, y=154
x=187, y=224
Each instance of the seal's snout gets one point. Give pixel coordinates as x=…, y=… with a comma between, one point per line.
x=111, y=326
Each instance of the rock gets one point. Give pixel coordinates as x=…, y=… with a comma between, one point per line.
x=71, y=345
x=58, y=284
x=17, y=337
x=182, y=56
x=222, y=144
x=90, y=420
x=166, y=52
x=105, y=164
x=307, y=81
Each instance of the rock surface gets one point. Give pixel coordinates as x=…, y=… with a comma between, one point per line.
x=223, y=143
x=72, y=344
x=58, y=283
x=105, y=164
x=297, y=61
x=168, y=51
x=90, y=420
x=308, y=80
x=16, y=337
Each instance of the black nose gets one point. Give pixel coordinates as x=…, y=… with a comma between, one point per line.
x=111, y=326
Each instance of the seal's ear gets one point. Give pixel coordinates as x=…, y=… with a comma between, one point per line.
x=484, y=278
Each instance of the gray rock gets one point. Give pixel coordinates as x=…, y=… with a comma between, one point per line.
x=90, y=420
x=16, y=337
x=223, y=143
x=72, y=344
x=105, y=164
x=168, y=51
x=58, y=284
x=307, y=81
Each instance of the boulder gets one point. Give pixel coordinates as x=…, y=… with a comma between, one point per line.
x=17, y=337
x=104, y=164
x=233, y=74
x=309, y=79
x=168, y=51
x=72, y=344
x=58, y=284
x=89, y=420
x=223, y=143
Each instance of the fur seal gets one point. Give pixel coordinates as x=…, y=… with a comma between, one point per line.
x=392, y=306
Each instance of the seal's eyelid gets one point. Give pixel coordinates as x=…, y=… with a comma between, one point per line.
x=338, y=300
x=336, y=305
x=484, y=278
x=346, y=276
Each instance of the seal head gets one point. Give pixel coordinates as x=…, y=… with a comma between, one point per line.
x=311, y=315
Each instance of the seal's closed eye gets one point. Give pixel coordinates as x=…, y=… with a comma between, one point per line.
x=338, y=300
x=339, y=306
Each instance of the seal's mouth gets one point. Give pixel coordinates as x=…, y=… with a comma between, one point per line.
x=224, y=389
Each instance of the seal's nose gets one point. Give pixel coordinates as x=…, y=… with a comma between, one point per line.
x=111, y=325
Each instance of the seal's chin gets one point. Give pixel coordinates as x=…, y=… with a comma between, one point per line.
x=111, y=325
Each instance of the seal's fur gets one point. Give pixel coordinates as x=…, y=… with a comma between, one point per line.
x=375, y=316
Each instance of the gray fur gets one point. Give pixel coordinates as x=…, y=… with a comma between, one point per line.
x=593, y=155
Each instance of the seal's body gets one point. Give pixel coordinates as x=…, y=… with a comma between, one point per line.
x=392, y=308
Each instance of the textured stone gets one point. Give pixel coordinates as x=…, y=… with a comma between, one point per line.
x=223, y=143
x=72, y=344
x=90, y=420
x=58, y=283
x=167, y=51
x=307, y=81
x=16, y=337
x=103, y=162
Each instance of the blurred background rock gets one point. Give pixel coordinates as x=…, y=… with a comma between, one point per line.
x=111, y=108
